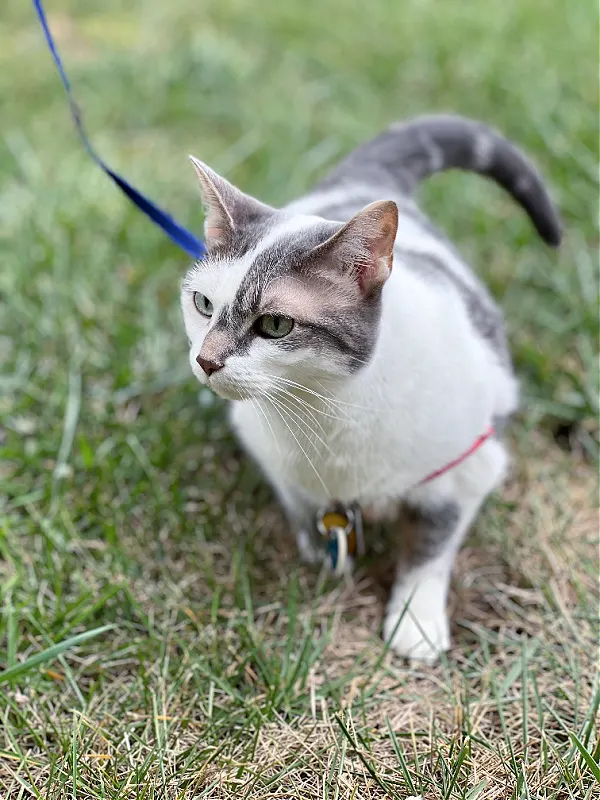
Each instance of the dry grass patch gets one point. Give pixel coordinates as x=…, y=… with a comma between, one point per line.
x=251, y=688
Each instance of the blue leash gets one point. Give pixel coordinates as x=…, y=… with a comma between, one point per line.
x=183, y=238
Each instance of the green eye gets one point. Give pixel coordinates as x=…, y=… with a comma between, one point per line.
x=203, y=304
x=274, y=326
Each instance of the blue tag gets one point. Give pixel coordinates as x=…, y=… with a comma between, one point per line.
x=333, y=550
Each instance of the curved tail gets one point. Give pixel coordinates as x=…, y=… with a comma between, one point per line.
x=413, y=150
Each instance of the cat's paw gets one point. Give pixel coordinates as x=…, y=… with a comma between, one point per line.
x=417, y=637
x=309, y=552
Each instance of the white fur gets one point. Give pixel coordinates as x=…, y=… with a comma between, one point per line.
x=431, y=388
x=483, y=150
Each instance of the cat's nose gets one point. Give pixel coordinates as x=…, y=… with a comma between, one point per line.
x=208, y=366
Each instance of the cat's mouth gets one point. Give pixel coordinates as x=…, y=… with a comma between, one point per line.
x=230, y=393
x=228, y=389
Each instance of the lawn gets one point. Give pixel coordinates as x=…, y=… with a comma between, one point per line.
x=158, y=636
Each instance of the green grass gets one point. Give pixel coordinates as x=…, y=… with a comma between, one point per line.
x=157, y=635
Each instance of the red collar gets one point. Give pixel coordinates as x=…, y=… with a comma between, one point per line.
x=475, y=446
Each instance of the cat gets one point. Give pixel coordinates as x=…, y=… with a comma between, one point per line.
x=353, y=381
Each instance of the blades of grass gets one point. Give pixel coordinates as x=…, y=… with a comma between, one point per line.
x=61, y=659
x=71, y=418
x=292, y=615
x=400, y=756
x=25, y=761
x=71, y=608
x=590, y=717
x=159, y=733
x=523, y=785
x=512, y=674
x=309, y=653
x=524, y=697
x=337, y=766
x=499, y=706
x=463, y=752
x=221, y=682
x=132, y=600
x=252, y=750
x=388, y=644
x=144, y=461
x=12, y=631
x=7, y=702
x=383, y=784
x=476, y=790
x=50, y=653
x=343, y=746
x=23, y=784
x=540, y=721
x=74, y=740
x=586, y=756
x=16, y=754
x=175, y=377
x=77, y=616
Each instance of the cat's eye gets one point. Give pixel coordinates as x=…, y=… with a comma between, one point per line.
x=274, y=326
x=203, y=304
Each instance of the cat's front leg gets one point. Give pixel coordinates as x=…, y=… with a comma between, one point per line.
x=432, y=527
x=309, y=548
x=416, y=623
x=301, y=513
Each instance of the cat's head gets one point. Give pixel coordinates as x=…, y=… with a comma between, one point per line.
x=282, y=298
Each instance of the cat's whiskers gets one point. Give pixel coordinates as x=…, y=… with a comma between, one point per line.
x=325, y=398
x=306, y=406
x=256, y=402
x=301, y=431
x=314, y=408
x=312, y=466
x=306, y=423
x=331, y=403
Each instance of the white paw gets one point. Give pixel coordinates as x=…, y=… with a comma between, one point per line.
x=309, y=554
x=416, y=636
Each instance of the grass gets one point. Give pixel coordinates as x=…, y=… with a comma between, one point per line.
x=157, y=635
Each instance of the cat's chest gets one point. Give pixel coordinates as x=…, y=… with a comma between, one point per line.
x=336, y=456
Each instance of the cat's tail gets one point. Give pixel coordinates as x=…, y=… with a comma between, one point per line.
x=413, y=150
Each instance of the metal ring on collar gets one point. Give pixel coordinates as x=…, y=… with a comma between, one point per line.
x=343, y=511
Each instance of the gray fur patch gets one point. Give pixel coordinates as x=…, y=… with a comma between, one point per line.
x=347, y=336
x=425, y=529
x=501, y=423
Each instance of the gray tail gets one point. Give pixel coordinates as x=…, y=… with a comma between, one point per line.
x=421, y=147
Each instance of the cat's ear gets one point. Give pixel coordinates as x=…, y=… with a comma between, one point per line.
x=226, y=208
x=364, y=246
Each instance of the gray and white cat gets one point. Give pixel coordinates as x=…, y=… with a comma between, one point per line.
x=351, y=380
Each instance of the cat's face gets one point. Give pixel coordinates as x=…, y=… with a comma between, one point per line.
x=282, y=301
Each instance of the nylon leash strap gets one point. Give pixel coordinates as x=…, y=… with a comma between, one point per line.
x=179, y=235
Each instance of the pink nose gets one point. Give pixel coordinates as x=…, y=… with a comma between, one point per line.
x=208, y=366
